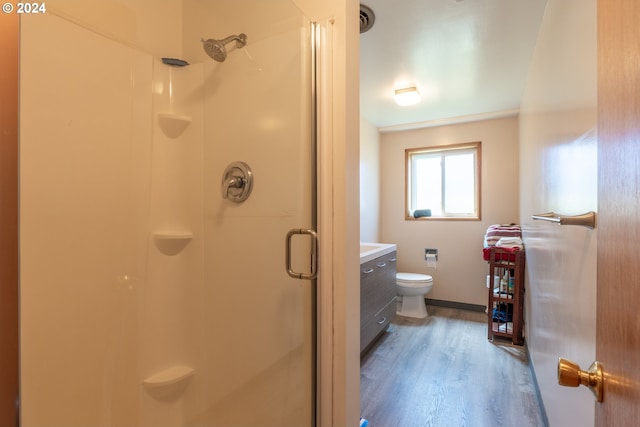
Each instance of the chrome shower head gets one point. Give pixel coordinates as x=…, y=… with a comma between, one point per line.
x=216, y=48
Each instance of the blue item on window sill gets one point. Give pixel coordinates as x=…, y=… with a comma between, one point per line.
x=363, y=422
x=419, y=213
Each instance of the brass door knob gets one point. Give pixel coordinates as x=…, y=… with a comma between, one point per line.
x=570, y=375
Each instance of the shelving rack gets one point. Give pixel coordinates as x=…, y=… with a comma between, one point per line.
x=506, y=295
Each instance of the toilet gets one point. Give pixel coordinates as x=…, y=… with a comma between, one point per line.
x=411, y=289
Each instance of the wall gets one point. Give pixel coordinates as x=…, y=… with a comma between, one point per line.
x=168, y=319
x=558, y=165
x=84, y=173
x=128, y=22
x=460, y=275
x=8, y=218
x=369, y=182
x=101, y=305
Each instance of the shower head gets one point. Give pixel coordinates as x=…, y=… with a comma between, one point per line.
x=216, y=48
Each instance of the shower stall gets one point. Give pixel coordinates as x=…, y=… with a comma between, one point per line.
x=160, y=281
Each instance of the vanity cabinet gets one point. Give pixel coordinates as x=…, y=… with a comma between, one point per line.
x=377, y=297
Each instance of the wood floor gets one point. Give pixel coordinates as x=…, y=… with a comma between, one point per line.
x=442, y=372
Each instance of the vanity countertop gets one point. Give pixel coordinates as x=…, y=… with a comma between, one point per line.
x=369, y=251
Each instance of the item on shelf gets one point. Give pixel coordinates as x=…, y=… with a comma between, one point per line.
x=498, y=294
x=505, y=328
x=503, y=313
x=497, y=231
x=504, y=236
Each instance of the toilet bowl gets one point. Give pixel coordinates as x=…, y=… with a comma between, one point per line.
x=411, y=289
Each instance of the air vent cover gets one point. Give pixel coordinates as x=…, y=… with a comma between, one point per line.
x=367, y=18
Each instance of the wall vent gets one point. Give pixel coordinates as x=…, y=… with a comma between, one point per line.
x=367, y=18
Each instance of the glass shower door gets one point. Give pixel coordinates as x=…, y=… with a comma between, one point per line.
x=259, y=332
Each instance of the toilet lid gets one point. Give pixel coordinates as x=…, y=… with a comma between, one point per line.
x=413, y=278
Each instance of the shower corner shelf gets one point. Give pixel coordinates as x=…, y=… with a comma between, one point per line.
x=173, y=124
x=172, y=242
x=168, y=383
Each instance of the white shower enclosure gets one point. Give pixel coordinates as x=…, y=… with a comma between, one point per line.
x=146, y=297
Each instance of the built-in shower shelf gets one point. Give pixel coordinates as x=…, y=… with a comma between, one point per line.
x=170, y=376
x=169, y=383
x=173, y=124
x=172, y=242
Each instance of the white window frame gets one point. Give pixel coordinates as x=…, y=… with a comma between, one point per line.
x=474, y=147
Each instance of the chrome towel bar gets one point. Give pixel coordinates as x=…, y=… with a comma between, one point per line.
x=586, y=219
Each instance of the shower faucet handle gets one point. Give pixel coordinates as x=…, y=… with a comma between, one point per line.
x=233, y=182
x=237, y=182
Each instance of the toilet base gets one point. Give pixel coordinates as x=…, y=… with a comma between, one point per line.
x=412, y=306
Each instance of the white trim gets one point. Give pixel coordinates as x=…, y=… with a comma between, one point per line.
x=450, y=121
x=338, y=222
x=324, y=88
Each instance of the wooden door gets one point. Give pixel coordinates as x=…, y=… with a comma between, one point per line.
x=8, y=218
x=618, y=300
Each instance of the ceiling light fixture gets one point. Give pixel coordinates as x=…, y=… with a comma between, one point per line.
x=407, y=96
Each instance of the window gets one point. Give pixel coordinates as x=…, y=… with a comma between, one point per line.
x=443, y=182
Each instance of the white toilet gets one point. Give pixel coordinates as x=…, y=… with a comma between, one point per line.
x=411, y=289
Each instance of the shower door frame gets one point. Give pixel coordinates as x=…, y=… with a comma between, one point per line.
x=338, y=325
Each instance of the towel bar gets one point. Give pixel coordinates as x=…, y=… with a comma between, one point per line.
x=586, y=219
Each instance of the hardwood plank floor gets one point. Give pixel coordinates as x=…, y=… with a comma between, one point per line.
x=443, y=372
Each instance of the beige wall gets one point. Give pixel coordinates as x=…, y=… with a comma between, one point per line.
x=8, y=218
x=129, y=22
x=84, y=201
x=369, y=182
x=461, y=272
x=558, y=161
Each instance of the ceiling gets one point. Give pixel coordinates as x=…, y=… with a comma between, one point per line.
x=468, y=58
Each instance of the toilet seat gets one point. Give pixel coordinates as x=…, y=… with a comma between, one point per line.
x=413, y=279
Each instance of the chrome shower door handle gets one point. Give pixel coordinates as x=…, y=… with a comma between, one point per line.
x=314, y=254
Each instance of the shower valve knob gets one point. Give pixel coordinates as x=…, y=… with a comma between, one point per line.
x=237, y=182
